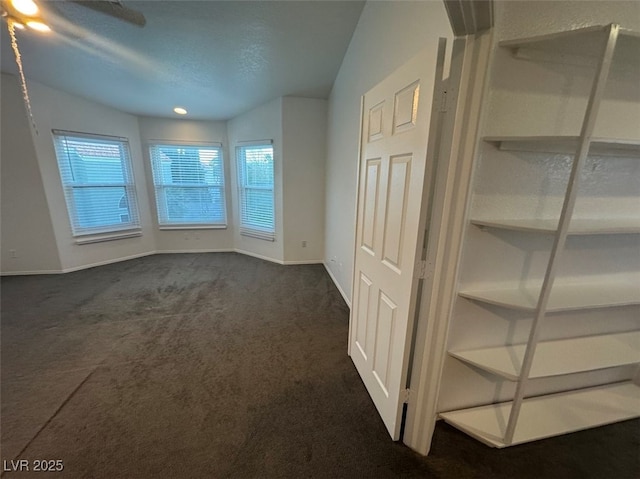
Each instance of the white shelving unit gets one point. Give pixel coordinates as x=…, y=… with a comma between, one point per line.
x=562, y=297
x=603, y=49
x=578, y=226
x=551, y=415
x=554, y=358
x=566, y=144
x=581, y=47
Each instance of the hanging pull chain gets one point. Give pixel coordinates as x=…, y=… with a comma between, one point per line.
x=23, y=81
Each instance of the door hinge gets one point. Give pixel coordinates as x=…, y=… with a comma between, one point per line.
x=443, y=101
x=421, y=269
x=405, y=395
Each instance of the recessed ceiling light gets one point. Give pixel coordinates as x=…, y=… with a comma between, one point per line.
x=39, y=26
x=26, y=7
x=180, y=110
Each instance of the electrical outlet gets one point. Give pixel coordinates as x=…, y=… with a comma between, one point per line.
x=14, y=253
x=304, y=244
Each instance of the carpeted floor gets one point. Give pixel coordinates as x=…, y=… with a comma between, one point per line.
x=224, y=366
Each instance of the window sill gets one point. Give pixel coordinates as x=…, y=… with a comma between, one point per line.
x=258, y=235
x=193, y=227
x=99, y=238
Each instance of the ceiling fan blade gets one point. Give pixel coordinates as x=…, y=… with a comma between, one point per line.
x=56, y=18
x=115, y=9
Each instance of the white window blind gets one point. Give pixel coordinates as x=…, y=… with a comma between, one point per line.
x=189, y=185
x=98, y=183
x=255, y=184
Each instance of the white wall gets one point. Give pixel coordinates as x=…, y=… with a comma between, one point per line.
x=39, y=231
x=304, y=127
x=261, y=123
x=188, y=131
x=26, y=222
x=387, y=35
x=54, y=109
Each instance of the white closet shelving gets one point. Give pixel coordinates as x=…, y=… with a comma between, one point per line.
x=562, y=297
x=578, y=226
x=526, y=416
x=563, y=356
x=550, y=415
x=566, y=144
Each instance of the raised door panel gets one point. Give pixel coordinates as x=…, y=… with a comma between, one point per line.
x=370, y=207
x=385, y=325
x=397, y=196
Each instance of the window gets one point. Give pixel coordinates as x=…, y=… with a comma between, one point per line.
x=189, y=185
x=255, y=184
x=97, y=181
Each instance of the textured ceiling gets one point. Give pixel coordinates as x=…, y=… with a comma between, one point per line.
x=216, y=59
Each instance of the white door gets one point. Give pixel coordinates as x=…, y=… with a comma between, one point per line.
x=390, y=228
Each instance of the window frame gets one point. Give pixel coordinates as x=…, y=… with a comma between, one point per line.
x=160, y=187
x=84, y=234
x=248, y=229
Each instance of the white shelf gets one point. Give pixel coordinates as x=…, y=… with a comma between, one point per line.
x=580, y=47
x=552, y=415
x=558, y=357
x=563, y=297
x=558, y=413
x=578, y=226
x=566, y=145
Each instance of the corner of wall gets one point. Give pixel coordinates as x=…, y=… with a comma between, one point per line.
x=304, y=156
x=28, y=241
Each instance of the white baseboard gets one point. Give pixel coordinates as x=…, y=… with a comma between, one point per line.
x=108, y=261
x=76, y=268
x=183, y=251
x=149, y=253
x=259, y=256
x=278, y=261
x=304, y=261
x=335, y=281
x=29, y=273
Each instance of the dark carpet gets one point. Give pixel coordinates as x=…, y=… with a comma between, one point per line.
x=224, y=366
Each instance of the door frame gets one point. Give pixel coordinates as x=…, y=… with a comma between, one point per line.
x=459, y=140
